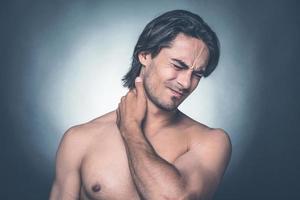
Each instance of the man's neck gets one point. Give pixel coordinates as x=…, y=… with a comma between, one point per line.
x=157, y=118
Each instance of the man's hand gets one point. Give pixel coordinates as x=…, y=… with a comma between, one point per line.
x=132, y=108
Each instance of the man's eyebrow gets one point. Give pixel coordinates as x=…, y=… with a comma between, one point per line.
x=180, y=62
x=183, y=64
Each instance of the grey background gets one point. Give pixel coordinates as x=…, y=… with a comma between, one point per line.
x=61, y=64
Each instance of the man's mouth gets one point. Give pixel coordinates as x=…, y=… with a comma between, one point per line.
x=177, y=93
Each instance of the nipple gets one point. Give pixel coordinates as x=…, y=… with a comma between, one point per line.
x=96, y=187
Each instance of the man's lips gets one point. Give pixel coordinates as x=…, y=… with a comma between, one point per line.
x=176, y=93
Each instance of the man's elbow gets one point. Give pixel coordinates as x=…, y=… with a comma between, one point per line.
x=185, y=192
x=185, y=195
x=190, y=195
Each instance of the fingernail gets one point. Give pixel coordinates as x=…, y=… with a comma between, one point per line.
x=138, y=79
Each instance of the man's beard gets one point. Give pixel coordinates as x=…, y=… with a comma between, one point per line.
x=157, y=102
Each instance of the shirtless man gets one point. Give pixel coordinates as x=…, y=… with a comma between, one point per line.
x=147, y=148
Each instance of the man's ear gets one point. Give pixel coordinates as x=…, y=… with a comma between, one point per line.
x=145, y=58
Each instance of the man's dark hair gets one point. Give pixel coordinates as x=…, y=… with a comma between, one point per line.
x=161, y=31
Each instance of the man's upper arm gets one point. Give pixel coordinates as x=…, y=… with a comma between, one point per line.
x=68, y=158
x=203, y=166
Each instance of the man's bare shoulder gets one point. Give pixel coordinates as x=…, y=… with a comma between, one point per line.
x=95, y=125
x=107, y=118
x=84, y=134
x=200, y=133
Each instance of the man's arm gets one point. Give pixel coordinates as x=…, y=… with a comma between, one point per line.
x=66, y=185
x=196, y=174
x=154, y=177
x=204, y=165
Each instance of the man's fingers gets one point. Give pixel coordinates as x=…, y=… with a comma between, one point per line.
x=139, y=86
x=118, y=115
x=132, y=90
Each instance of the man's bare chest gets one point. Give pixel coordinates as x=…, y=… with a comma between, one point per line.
x=105, y=171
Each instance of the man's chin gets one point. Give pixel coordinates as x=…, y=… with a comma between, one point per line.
x=166, y=105
x=169, y=107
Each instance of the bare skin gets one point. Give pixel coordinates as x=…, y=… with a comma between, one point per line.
x=147, y=148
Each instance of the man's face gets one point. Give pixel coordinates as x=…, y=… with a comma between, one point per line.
x=175, y=72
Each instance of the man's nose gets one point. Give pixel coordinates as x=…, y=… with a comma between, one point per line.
x=185, y=79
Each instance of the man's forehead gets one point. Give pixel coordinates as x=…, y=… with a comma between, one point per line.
x=195, y=58
x=195, y=67
x=189, y=49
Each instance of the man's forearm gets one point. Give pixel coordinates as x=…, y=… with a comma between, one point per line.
x=153, y=176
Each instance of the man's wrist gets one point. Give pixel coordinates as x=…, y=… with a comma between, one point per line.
x=130, y=128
